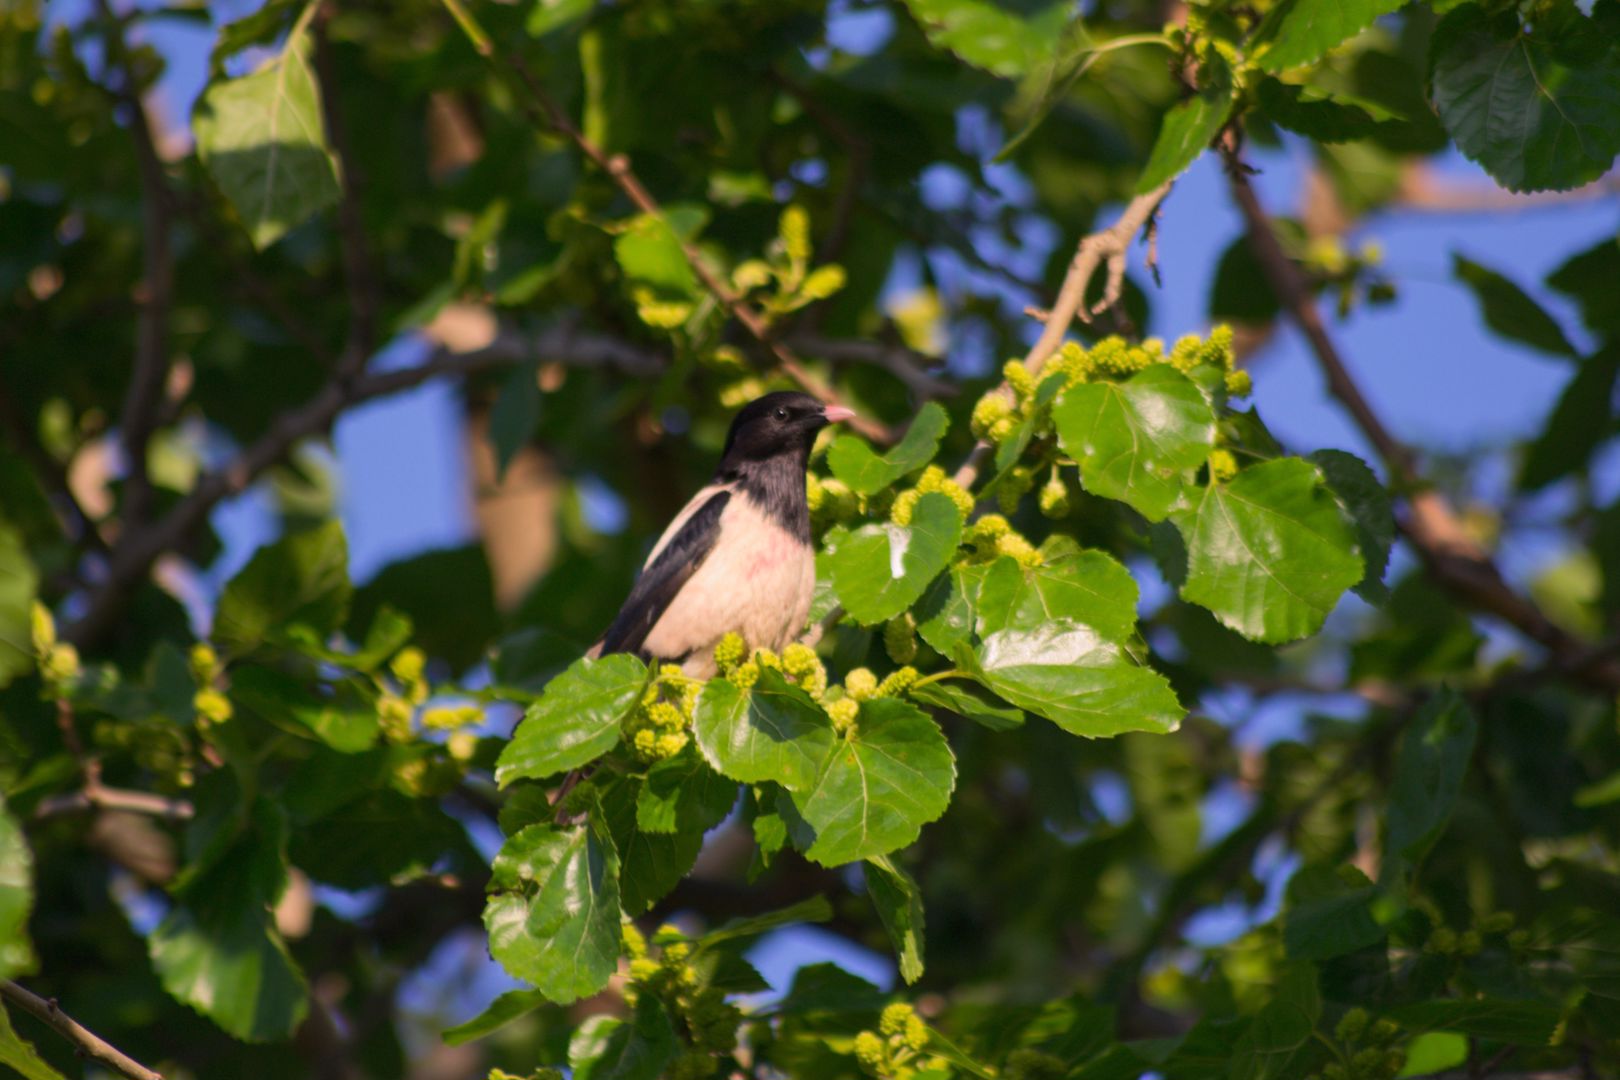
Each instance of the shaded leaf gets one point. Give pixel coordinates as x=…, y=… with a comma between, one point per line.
x=1138, y=441
x=502, y=1011
x=576, y=719
x=1189, y=127
x=640, y=1048
x=301, y=579
x=682, y=792
x=1509, y=310
x=18, y=1054
x=1528, y=1023
x=18, y=583
x=1539, y=111
x=345, y=722
x=16, y=897
x=1588, y=279
x=1429, y=771
x=1329, y=913
x=899, y=907
x=1581, y=420
x=991, y=36
x=1278, y=1040
x=262, y=139
x=972, y=702
x=650, y=863
x=1367, y=503
x=1269, y=552
x=1322, y=118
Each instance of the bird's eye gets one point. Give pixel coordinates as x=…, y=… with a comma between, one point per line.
x=781, y=413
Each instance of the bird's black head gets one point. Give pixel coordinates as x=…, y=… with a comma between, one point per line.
x=783, y=424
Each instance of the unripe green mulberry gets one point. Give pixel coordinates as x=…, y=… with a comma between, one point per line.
x=893, y=1019
x=1027, y=1063
x=745, y=675
x=1497, y=922
x=1383, y=1031
x=871, y=1053
x=729, y=651
x=1019, y=548
x=1352, y=1025
x=1442, y=941
x=897, y=682
x=60, y=664
x=635, y=942
x=394, y=718
x=900, y=638
x=451, y=717
x=1013, y=487
x=815, y=496
x=43, y=628
x=1238, y=383
x=408, y=664
x=1469, y=943
x=905, y=504
x=204, y=663
x=1054, y=497
x=843, y=713
x=1217, y=350
x=1222, y=465
x=794, y=229
x=215, y=707
x=861, y=684
x=1184, y=354
x=933, y=479
x=993, y=408
x=1019, y=378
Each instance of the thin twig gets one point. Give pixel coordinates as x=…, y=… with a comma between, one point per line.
x=144, y=397
x=102, y=797
x=86, y=1042
x=905, y=364
x=365, y=294
x=1430, y=523
x=545, y=111
x=1104, y=249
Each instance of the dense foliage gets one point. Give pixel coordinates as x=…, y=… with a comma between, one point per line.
x=242, y=821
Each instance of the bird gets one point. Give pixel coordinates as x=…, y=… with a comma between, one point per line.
x=738, y=557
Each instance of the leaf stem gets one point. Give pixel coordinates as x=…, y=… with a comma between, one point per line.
x=949, y=673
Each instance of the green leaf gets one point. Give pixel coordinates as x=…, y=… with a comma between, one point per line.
x=1069, y=674
x=1587, y=278
x=576, y=719
x=547, y=16
x=967, y=700
x=1525, y=1022
x=773, y=732
x=1138, y=441
x=945, y=612
x=866, y=472
x=899, y=906
x=1581, y=421
x=1367, y=503
x=218, y=950
x=502, y=1011
x=344, y=721
x=19, y=582
x=300, y=580
x=1089, y=587
x=553, y=910
x=683, y=792
x=1296, y=32
x=1329, y=913
x=514, y=415
x=879, y=786
x=640, y=1048
x=989, y=35
x=1434, y=1052
x=18, y=1054
x=261, y=138
x=650, y=863
x=648, y=249
x=1509, y=310
x=1429, y=771
x=881, y=570
x=814, y=910
x=1322, y=118
x=1538, y=110
x=16, y=897
x=1279, y=1037
x=1189, y=127
x=1269, y=552
x=381, y=836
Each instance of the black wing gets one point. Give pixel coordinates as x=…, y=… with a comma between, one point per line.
x=659, y=584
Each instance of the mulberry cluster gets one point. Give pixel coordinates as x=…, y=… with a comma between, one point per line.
x=892, y=1052
x=831, y=501
x=992, y=536
x=1222, y=465
x=658, y=726
x=1012, y=487
x=58, y=660
x=1368, y=1050
x=210, y=705
x=451, y=717
x=932, y=480
x=709, y=1019
x=1054, y=497
x=798, y=663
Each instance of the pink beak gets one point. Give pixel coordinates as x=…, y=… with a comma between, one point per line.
x=836, y=413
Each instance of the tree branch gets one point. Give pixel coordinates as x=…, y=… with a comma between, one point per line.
x=86, y=1042
x=365, y=293
x=904, y=364
x=143, y=399
x=545, y=111
x=1105, y=248
x=1430, y=523
x=141, y=546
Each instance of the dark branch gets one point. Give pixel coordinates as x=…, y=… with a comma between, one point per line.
x=85, y=1041
x=1430, y=523
x=144, y=398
